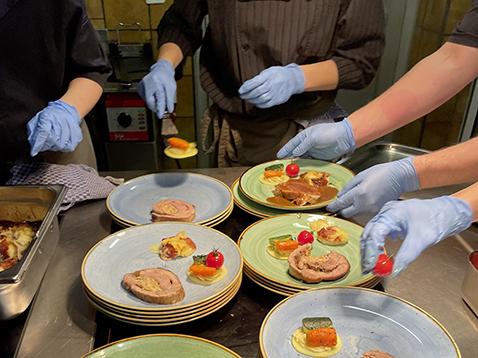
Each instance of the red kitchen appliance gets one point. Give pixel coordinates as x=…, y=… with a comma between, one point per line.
x=128, y=118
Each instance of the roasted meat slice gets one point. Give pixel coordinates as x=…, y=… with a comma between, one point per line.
x=313, y=269
x=299, y=191
x=155, y=285
x=173, y=210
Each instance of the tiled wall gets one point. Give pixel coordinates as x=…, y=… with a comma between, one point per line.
x=107, y=14
x=436, y=20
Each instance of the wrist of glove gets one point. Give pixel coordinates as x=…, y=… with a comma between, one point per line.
x=371, y=189
x=56, y=128
x=158, y=88
x=419, y=223
x=321, y=141
x=273, y=86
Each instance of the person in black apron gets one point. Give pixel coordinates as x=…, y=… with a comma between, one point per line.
x=51, y=68
x=271, y=68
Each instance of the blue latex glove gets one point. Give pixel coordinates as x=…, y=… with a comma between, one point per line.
x=420, y=223
x=371, y=189
x=56, y=128
x=322, y=141
x=158, y=88
x=273, y=86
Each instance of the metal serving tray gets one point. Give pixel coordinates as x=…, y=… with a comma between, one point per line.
x=380, y=152
x=19, y=284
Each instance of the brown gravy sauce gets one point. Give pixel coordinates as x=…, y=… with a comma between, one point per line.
x=326, y=193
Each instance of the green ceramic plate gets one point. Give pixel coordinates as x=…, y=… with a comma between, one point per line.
x=253, y=208
x=254, y=240
x=256, y=191
x=163, y=345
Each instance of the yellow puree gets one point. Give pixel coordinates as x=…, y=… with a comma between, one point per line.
x=220, y=273
x=299, y=343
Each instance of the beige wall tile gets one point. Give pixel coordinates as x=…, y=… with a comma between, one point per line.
x=98, y=23
x=435, y=14
x=409, y=135
x=185, y=97
x=126, y=11
x=157, y=12
x=186, y=128
x=95, y=9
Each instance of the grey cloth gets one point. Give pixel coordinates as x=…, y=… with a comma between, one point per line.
x=82, y=182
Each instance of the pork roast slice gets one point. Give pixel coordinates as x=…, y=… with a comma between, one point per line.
x=173, y=210
x=155, y=285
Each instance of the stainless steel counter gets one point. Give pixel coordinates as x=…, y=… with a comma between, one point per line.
x=62, y=324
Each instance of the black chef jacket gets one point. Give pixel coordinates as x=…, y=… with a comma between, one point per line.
x=44, y=44
x=466, y=32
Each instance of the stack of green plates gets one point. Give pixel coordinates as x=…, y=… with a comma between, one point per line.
x=250, y=194
x=272, y=273
x=162, y=345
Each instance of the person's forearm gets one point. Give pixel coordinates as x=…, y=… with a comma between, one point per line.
x=426, y=86
x=470, y=195
x=321, y=76
x=171, y=52
x=452, y=165
x=82, y=94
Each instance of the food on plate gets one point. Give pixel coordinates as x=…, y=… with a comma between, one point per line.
x=154, y=285
x=207, y=269
x=314, y=177
x=383, y=266
x=179, y=148
x=314, y=269
x=299, y=192
x=305, y=237
x=328, y=234
x=316, y=338
x=176, y=246
x=14, y=240
x=377, y=354
x=173, y=210
x=280, y=247
x=292, y=170
x=274, y=174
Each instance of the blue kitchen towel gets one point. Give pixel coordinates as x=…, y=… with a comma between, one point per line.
x=82, y=182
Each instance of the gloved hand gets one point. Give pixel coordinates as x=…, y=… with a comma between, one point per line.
x=420, y=223
x=322, y=141
x=371, y=189
x=273, y=86
x=56, y=127
x=158, y=88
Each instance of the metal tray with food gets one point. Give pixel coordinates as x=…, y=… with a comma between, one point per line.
x=28, y=236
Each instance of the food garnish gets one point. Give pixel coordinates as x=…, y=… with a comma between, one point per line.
x=305, y=237
x=383, y=266
x=207, y=269
x=179, y=148
x=281, y=246
x=317, y=337
x=328, y=234
x=274, y=174
x=292, y=170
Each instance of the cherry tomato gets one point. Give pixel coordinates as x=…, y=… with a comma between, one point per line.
x=292, y=170
x=474, y=259
x=305, y=237
x=384, y=265
x=214, y=259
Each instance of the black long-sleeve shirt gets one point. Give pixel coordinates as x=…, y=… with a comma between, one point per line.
x=246, y=36
x=44, y=44
x=466, y=32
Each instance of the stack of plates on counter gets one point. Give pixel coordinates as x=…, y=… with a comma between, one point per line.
x=163, y=345
x=273, y=274
x=365, y=320
x=131, y=203
x=251, y=194
x=134, y=249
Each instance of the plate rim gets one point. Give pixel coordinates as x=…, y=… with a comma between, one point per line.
x=440, y=325
x=228, y=350
x=246, y=263
x=288, y=208
x=133, y=223
x=83, y=263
